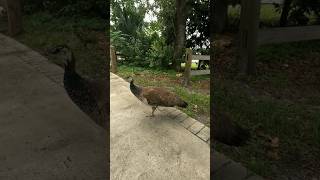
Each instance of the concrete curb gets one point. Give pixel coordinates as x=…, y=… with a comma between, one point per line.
x=192, y=125
x=35, y=60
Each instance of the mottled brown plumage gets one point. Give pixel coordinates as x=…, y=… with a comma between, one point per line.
x=155, y=96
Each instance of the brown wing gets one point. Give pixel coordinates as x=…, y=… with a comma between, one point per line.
x=160, y=97
x=99, y=90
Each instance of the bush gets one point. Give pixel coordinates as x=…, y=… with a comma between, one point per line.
x=143, y=51
x=159, y=54
x=68, y=7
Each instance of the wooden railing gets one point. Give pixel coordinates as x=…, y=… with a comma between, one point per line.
x=251, y=36
x=187, y=70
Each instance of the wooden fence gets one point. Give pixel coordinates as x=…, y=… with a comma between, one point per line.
x=187, y=69
x=271, y=1
x=251, y=36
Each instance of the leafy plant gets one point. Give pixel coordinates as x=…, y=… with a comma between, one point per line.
x=68, y=7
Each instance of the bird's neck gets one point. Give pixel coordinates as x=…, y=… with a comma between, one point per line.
x=135, y=89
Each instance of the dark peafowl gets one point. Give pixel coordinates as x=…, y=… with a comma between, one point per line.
x=89, y=95
x=226, y=131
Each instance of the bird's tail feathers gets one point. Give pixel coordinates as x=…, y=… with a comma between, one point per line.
x=183, y=104
x=70, y=62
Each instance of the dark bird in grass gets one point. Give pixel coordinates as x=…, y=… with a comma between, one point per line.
x=155, y=96
x=88, y=94
x=226, y=131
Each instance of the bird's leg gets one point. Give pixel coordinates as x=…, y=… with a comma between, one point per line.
x=153, y=109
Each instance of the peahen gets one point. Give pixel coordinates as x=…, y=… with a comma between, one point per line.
x=88, y=94
x=155, y=96
x=226, y=131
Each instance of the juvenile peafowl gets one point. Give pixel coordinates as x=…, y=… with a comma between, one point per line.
x=155, y=96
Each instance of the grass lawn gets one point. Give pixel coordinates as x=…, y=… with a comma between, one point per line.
x=282, y=101
x=85, y=36
x=197, y=95
x=269, y=17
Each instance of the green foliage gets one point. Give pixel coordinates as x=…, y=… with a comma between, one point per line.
x=127, y=33
x=166, y=17
x=160, y=54
x=198, y=24
x=127, y=18
x=150, y=44
x=301, y=11
x=139, y=42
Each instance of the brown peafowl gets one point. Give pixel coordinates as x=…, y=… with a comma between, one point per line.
x=88, y=94
x=155, y=96
x=226, y=131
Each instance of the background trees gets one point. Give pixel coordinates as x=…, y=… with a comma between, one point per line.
x=160, y=42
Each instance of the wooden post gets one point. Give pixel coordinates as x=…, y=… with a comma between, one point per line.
x=14, y=16
x=249, y=26
x=113, y=60
x=187, y=67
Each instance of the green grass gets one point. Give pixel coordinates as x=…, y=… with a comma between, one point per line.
x=268, y=15
x=43, y=31
x=283, y=99
x=294, y=124
x=193, y=65
x=197, y=95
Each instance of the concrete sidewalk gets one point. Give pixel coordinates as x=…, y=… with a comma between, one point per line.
x=43, y=135
x=152, y=148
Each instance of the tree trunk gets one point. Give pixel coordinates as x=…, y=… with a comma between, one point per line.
x=212, y=59
x=14, y=16
x=180, y=33
x=248, y=31
x=285, y=13
x=220, y=18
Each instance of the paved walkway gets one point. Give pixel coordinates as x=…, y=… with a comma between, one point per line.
x=152, y=148
x=43, y=135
